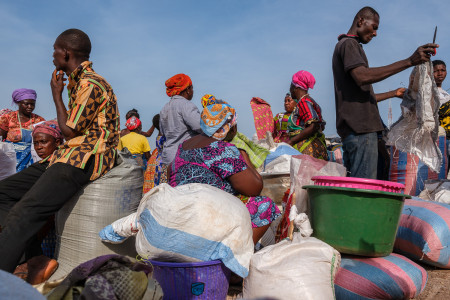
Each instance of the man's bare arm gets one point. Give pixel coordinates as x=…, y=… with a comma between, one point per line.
x=363, y=75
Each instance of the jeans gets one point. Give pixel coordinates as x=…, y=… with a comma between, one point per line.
x=29, y=198
x=361, y=155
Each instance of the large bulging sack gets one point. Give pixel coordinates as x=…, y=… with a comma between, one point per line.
x=189, y=223
x=303, y=268
x=424, y=232
x=390, y=277
x=113, y=196
x=408, y=169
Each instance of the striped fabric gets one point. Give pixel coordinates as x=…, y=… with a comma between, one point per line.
x=424, y=232
x=406, y=168
x=390, y=277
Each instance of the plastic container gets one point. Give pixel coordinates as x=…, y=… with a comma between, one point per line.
x=359, y=183
x=194, y=280
x=355, y=221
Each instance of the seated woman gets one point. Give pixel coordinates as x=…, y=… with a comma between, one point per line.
x=136, y=143
x=37, y=268
x=306, y=123
x=135, y=113
x=281, y=120
x=215, y=161
x=16, y=126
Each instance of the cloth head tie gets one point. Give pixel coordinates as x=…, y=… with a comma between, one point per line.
x=23, y=94
x=304, y=80
x=133, y=123
x=48, y=127
x=176, y=84
x=217, y=119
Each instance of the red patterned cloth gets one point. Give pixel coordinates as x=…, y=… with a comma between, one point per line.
x=263, y=117
x=176, y=84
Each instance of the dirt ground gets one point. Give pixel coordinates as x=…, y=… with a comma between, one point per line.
x=437, y=288
x=438, y=285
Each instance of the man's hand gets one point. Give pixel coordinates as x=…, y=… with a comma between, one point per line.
x=423, y=54
x=57, y=83
x=400, y=92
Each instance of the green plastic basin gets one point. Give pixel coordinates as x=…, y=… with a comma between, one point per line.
x=355, y=221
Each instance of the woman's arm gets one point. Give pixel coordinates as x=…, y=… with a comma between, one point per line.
x=149, y=132
x=304, y=134
x=147, y=154
x=248, y=182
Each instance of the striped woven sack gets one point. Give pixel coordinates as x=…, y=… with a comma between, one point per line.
x=424, y=232
x=408, y=169
x=390, y=277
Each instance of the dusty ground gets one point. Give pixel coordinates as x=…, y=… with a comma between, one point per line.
x=437, y=288
x=438, y=285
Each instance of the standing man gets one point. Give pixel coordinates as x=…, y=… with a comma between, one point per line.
x=90, y=127
x=357, y=116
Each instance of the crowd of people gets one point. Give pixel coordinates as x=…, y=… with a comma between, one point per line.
x=192, y=146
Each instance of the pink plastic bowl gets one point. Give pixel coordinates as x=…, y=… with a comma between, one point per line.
x=359, y=183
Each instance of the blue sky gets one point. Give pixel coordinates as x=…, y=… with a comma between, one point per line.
x=234, y=49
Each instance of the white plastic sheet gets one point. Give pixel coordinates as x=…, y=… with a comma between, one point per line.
x=7, y=160
x=417, y=130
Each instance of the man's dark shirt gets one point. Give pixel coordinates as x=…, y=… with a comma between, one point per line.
x=356, y=107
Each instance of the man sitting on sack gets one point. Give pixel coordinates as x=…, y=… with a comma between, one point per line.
x=90, y=127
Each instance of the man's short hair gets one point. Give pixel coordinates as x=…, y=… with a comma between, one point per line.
x=439, y=62
x=366, y=12
x=77, y=41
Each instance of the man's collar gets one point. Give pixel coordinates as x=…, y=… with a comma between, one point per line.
x=76, y=74
x=354, y=36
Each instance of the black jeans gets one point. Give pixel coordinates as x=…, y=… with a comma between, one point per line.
x=29, y=198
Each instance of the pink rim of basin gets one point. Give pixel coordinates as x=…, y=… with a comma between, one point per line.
x=359, y=183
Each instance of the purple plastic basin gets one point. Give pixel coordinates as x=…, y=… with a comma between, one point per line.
x=193, y=280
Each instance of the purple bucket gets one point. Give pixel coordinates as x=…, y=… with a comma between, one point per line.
x=196, y=280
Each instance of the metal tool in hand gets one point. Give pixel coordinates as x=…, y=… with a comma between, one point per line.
x=434, y=40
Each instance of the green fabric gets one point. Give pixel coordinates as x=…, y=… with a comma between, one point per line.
x=256, y=153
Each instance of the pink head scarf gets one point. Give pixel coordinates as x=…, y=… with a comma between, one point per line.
x=303, y=80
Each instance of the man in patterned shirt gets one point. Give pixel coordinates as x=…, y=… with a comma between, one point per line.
x=91, y=129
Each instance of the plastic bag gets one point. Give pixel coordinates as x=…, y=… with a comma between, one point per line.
x=7, y=160
x=417, y=129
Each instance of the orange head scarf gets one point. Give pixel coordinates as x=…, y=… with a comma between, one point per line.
x=176, y=84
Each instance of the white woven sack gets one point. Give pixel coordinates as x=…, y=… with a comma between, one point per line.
x=300, y=269
x=113, y=196
x=195, y=222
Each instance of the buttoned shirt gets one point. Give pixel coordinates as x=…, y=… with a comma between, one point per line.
x=179, y=121
x=94, y=114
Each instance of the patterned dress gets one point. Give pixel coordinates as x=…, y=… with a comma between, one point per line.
x=305, y=113
x=280, y=131
x=212, y=165
x=154, y=174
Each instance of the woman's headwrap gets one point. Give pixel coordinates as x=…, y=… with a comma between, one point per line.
x=23, y=94
x=176, y=84
x=133, y=123
x=303, y=80
x=48, y=127
x=217, y=119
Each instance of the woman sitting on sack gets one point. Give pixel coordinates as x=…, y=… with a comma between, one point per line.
x=217, y=162
x=306, y=123
x=16, y=126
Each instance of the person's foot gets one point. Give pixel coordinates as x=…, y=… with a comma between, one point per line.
x=22, y=271
x=40, y=268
